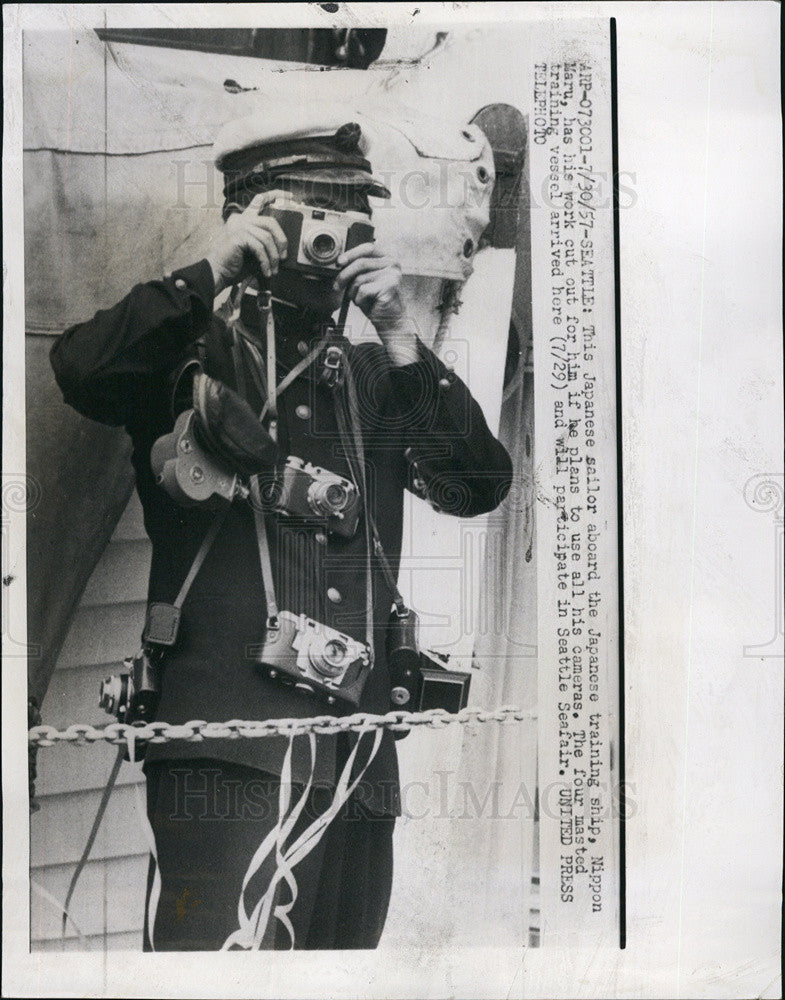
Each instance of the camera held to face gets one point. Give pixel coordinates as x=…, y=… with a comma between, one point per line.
x=315, y=658
x=307, y=491
x=317, y=237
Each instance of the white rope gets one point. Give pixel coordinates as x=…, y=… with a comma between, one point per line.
x=149, y=836
x=198, y=730
x=251, y=932
x=249, y=927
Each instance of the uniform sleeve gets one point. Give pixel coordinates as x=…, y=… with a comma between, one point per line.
x=102, y=364
x=454, y=460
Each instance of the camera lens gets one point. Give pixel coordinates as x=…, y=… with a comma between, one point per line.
x=335, y=652
x=322, y=246
x=329, y=660
x=327, y=498
x=114, y=693
x=399, y=695
x=335, y=496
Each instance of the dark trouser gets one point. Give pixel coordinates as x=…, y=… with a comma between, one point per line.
x=210, y=816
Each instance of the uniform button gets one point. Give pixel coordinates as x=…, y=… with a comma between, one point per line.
x=320, y=538
x=303, y=411
x=302, y=347
x=334, y=595
x=444, y=383
x=179, y=283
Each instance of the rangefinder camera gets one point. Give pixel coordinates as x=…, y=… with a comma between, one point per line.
x=317, y=237
x=307, y=491
x=314, y=658
x=132, y=696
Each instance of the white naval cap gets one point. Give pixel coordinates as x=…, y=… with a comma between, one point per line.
x=317, y=143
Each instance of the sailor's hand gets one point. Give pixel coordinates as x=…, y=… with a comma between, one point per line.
x=373, y=282
x=247, y=240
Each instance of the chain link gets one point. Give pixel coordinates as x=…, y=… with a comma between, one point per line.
x=198, y=730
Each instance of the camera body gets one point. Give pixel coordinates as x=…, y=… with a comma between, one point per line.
x=403, y=658
x=315, y=658
x=419, y=680
x=308, y=491
x=186, y=470
x=132, y=696
x=316, y=237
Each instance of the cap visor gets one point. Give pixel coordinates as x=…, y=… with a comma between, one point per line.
x=339, y=177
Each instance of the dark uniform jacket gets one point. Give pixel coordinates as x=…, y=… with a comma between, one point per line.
x=117, y=368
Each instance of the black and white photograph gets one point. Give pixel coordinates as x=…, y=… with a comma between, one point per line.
x=391, y=512
x=295, y=381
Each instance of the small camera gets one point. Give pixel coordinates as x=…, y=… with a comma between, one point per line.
x=132, y=696
x=314, y=657
x=403, y=657
x=307, y=491
x=317, y=237
x=420, y=680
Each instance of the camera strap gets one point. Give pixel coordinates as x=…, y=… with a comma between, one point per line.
x=358, y=473
x=163, y=620
x=268, y=580
x=264, y=300
x=270, y=390
x=354, y=421
x=261, y=370
x=298, y=369
x=273, y=390
x=200, y=557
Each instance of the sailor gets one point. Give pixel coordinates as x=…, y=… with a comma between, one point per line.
x=138, y=364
